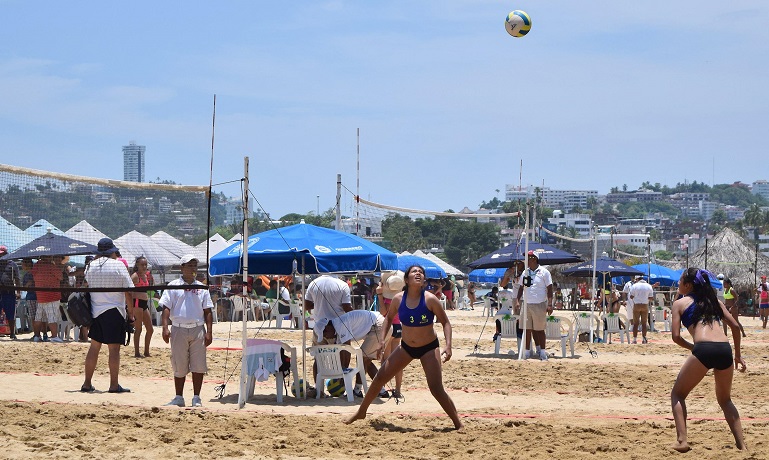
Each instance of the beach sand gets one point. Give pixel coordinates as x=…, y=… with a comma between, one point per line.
x=613, y=405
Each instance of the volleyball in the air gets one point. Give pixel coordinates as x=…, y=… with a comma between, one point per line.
x=335, y=387
x=518, y=23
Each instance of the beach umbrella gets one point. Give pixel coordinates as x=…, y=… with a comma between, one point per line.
x=604, y=265
x=51, y=244
x=654, y=274
x=282, y=251
x=504, y=257
x=432, y=270
x=486, y=275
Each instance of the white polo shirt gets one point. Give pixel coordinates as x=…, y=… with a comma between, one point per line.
x=186, y=305
x=540, y=280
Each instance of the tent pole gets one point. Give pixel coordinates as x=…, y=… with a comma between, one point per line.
x=246, y=297
x=304, y=339
x=592, y=300
x=522, y=346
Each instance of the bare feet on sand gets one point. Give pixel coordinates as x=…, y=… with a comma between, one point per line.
x=355, y=417
x=681, y=446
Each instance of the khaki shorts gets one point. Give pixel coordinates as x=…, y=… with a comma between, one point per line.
x=640, y=313
x=188, y=350
x=48, y=312
x=536, y=315
x=370, y=345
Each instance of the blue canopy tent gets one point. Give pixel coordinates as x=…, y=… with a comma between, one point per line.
x=432, y=270
x=504, y=257
x=315, y=249
x=300, y=249
x=486, y=275
x=654, y=274
x=605, y=266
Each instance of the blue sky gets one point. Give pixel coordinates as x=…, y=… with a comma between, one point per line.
x=599, y=93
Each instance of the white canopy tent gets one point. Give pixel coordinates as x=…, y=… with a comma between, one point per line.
x=12, y=236
x=447, y=267
x=84, y=231
x=40, y=228
x=217, y=243
x=134, y=244
x=171, y=244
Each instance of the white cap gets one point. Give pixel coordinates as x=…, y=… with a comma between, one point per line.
x=187, y=258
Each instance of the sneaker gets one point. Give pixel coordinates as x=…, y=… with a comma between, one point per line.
x=56, y=340
x=644, y=340
x=384, y=393
x=528, y=354
x=36, y=339
x=357, y=393
x=196, y=402
x=177, y=401
x=45, y=337
x=543, y=355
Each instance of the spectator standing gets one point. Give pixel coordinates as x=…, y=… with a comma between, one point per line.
x=730, y=302
x=539, y=304
x=763, y=300
x=10, y=284
x=142, y=277
x=641, y=294
x=190, y=312
x=30, y=297
x=111, y=311
x=47, y=273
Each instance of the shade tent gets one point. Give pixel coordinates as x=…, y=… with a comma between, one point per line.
x=40, y=228
x=84, y=231
x=208, y=248
x=654, y=274
x=51, y=244
x=12, y=236
x=134, y=244
x=447, y=267
x=486, y=275
x=171, y=244
x=605, y=266
x=432, y=270
x=315, y=249
x=504, y=257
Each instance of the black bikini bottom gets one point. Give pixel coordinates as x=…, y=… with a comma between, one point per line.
x=714, y=355
x=418, y=352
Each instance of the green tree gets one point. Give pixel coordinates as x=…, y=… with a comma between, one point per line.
x=470, y=239
x=400, y=233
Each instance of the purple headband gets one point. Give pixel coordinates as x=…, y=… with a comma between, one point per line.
x=699, y=279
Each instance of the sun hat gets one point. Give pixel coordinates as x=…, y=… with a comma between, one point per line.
x=105, y=247
x=392, y=283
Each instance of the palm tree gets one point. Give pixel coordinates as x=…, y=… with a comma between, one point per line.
x=753, y=216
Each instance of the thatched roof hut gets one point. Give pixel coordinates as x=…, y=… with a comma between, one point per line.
x=732, y=255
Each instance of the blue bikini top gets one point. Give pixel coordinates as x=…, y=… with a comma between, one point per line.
x=691, y=316
x=415, y=317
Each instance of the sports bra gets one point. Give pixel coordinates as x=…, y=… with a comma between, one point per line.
x=689, y=316
x=415, y=317
x=728, y=294
x=142, y=282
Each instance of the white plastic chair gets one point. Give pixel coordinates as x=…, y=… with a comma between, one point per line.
x=488, y=310
x=296, y=312
x=507, y=332
x=661, y=314
x=239, y=305
x=615, y=323
x=275, y=312
x=585, y=322
x=560, y=329
x=329, y=362
x=266, y=353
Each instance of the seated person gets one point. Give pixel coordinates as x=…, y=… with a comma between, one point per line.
x=365, y=328
x=493, y=297
x=505, y=309
x=284, y=302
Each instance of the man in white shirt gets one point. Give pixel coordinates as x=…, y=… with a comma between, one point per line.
x=539, y=304
x=190, y=312
x=365, y=328
x=627, y=299
x=327, y=297
x=111, y=311
x=641, y=294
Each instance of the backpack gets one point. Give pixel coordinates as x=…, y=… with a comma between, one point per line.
x=79, y=309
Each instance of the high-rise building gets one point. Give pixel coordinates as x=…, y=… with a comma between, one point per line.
x=133, y=162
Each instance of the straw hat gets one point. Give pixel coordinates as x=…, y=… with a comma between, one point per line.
x=392, y=283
